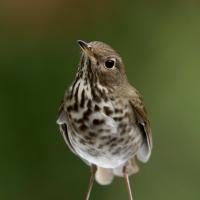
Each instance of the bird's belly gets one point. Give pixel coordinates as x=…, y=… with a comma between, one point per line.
x=108, y=151
x=106, y=137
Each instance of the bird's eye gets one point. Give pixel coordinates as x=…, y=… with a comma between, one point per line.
x=110, y=63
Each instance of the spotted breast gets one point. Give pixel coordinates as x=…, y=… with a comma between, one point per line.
x=101, y=131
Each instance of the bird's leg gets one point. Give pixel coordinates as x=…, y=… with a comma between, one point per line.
x=93, y=172
x=126, y=178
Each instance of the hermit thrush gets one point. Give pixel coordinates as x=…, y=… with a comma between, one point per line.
x=102, y=117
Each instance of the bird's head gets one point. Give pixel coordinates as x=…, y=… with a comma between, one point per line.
x=102, y=64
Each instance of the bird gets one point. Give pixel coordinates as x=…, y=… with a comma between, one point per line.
x=103, y=119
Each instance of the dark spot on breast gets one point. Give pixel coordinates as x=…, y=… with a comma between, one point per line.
x=75, y=107
x=116, y=151
x=107, y=110
x=98, y=121
x=97, y=108
x=82, y=141
x=72, y=90
x=108, y=142
x=121, y=140
x=118, y=110
x=76, y=93
x=126, y=114
x=129, y=129
x=117, y=118
x=83, y=127
x=122, y=127
x=100, y=146
x=89, y=140
x=104, y=137
x=93, y=152
x=123, y=132
x=95, y=96
x=79, y=120
x=113, y=139
x=112, y=98
x=88, y=63
x=87, y=113
x=86, y=82
x=82, y=98
x=89, y=104
x=70, y=116
x=92, y=134
x=80, y=74
x=69, y=108
x=102, y=94
x=113, y=144
x=64, y=128
x=82, y=60
x=105, y=97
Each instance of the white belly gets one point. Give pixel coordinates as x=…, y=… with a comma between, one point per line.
x=108, y=156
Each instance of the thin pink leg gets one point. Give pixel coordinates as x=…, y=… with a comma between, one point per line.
x=93, y=172
x=126, y=178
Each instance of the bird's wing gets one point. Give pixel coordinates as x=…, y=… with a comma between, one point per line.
x=142, y=120
x=62, y=122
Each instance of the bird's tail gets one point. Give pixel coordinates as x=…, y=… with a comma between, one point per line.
x=105, y=176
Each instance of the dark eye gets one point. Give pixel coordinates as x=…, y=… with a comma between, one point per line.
x=110, y=64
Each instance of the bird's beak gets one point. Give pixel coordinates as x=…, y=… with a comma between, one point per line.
x=85, y=47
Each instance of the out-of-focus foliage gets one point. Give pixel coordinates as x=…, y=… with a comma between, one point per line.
x=160, y=45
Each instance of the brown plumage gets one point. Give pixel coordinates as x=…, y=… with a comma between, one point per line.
x=102, y=117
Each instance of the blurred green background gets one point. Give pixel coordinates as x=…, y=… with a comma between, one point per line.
x=160, y=45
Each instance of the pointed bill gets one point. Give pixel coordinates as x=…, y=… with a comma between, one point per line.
x=85, y=47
